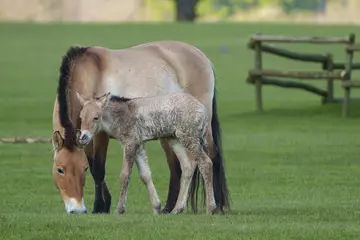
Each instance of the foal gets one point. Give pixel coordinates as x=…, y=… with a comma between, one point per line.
x=178, y=117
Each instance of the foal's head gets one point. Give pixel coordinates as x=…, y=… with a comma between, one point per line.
x=91, y=117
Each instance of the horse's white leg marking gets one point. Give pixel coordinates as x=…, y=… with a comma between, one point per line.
x=128, y=162
x=73, y=206
x=145, y=175
x=187, y=167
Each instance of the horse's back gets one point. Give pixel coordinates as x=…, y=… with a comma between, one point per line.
x=157, y=67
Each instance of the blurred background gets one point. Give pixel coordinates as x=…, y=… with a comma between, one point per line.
x=320, y=11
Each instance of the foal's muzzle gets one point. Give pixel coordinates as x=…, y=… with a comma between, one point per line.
x=85, y=137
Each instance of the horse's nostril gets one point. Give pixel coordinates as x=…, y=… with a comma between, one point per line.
x=84, y=137
x=72, y=211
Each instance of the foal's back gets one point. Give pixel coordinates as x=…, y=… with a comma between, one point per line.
x=175, y=104
x=169, y=112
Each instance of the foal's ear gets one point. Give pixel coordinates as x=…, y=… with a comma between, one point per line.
x=80, y=98
x=104, y=99
x=57, y=140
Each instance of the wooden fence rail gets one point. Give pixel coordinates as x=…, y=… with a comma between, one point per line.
x=25, y=140
x=302, y=39
x=331, y=70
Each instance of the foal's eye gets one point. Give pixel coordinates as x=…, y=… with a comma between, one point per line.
x=60, y=171
x=96, y=118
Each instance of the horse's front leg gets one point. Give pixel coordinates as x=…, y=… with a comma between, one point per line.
x=128, y=162
x=97, y=160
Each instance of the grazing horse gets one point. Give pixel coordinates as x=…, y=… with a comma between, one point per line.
x=144, y=70
x=178, y=117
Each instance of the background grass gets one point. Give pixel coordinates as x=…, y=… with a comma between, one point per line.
x=293, y=172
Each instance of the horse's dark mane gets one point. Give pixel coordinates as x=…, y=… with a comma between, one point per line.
x=72, y=53
x=119, y=99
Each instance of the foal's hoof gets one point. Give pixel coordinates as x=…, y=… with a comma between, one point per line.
x=157, y=209
x=120, y=211
x=177, y=211
x=213, y=210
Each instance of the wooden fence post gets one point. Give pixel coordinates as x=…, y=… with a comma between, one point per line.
x=347, y=77
x=258, y=66
x=330, y=81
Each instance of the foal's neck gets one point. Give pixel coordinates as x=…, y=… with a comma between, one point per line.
x=116, y=115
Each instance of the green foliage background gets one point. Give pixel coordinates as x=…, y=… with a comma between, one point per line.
x=226, y=8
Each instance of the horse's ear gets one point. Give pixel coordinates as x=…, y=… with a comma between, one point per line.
x=77, y=137
x=80, y=98
x=57, y=140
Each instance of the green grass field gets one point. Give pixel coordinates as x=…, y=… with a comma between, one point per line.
x=293, y=172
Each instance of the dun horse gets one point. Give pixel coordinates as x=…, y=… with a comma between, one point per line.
x=178, y=117
x=145, y=70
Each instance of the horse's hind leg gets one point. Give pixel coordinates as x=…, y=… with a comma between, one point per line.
x=187, y=167
x=145, y=175
x=96, y=155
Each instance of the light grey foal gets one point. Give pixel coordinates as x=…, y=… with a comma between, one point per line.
x=178, y=117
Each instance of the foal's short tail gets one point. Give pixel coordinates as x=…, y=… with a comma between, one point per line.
x=219, y=179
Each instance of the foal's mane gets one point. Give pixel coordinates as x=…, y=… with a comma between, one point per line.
x=67, y=64
x=119, y=99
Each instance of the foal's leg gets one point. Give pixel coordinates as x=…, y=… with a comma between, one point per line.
x=97, y=159
x=145, y=175
x=175, y=174
x=187, y=167
x=128, y=162
x=205, y=167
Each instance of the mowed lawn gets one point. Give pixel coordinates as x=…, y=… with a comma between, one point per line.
x=293, y=172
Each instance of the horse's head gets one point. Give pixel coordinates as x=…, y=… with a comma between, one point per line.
x=91, y=117
x=69, y=174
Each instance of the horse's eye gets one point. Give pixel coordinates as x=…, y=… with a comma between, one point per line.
x=86, y=169
x=60, y=171
x=96, y=118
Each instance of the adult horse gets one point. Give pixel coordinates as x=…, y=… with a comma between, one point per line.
x=143, y=70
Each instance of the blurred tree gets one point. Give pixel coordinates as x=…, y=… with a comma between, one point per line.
x=186, y=10
x=307, y=5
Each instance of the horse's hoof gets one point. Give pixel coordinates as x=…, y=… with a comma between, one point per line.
x=165, y=211
x=99, y=207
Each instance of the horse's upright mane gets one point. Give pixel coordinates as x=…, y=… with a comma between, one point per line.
x=119, y=99
x=68, y=59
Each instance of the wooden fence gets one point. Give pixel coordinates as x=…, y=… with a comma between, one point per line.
x=25, y=140
x=331, y=70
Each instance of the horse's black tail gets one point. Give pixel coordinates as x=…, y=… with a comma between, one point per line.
x=219, y=179
x=220, y=187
